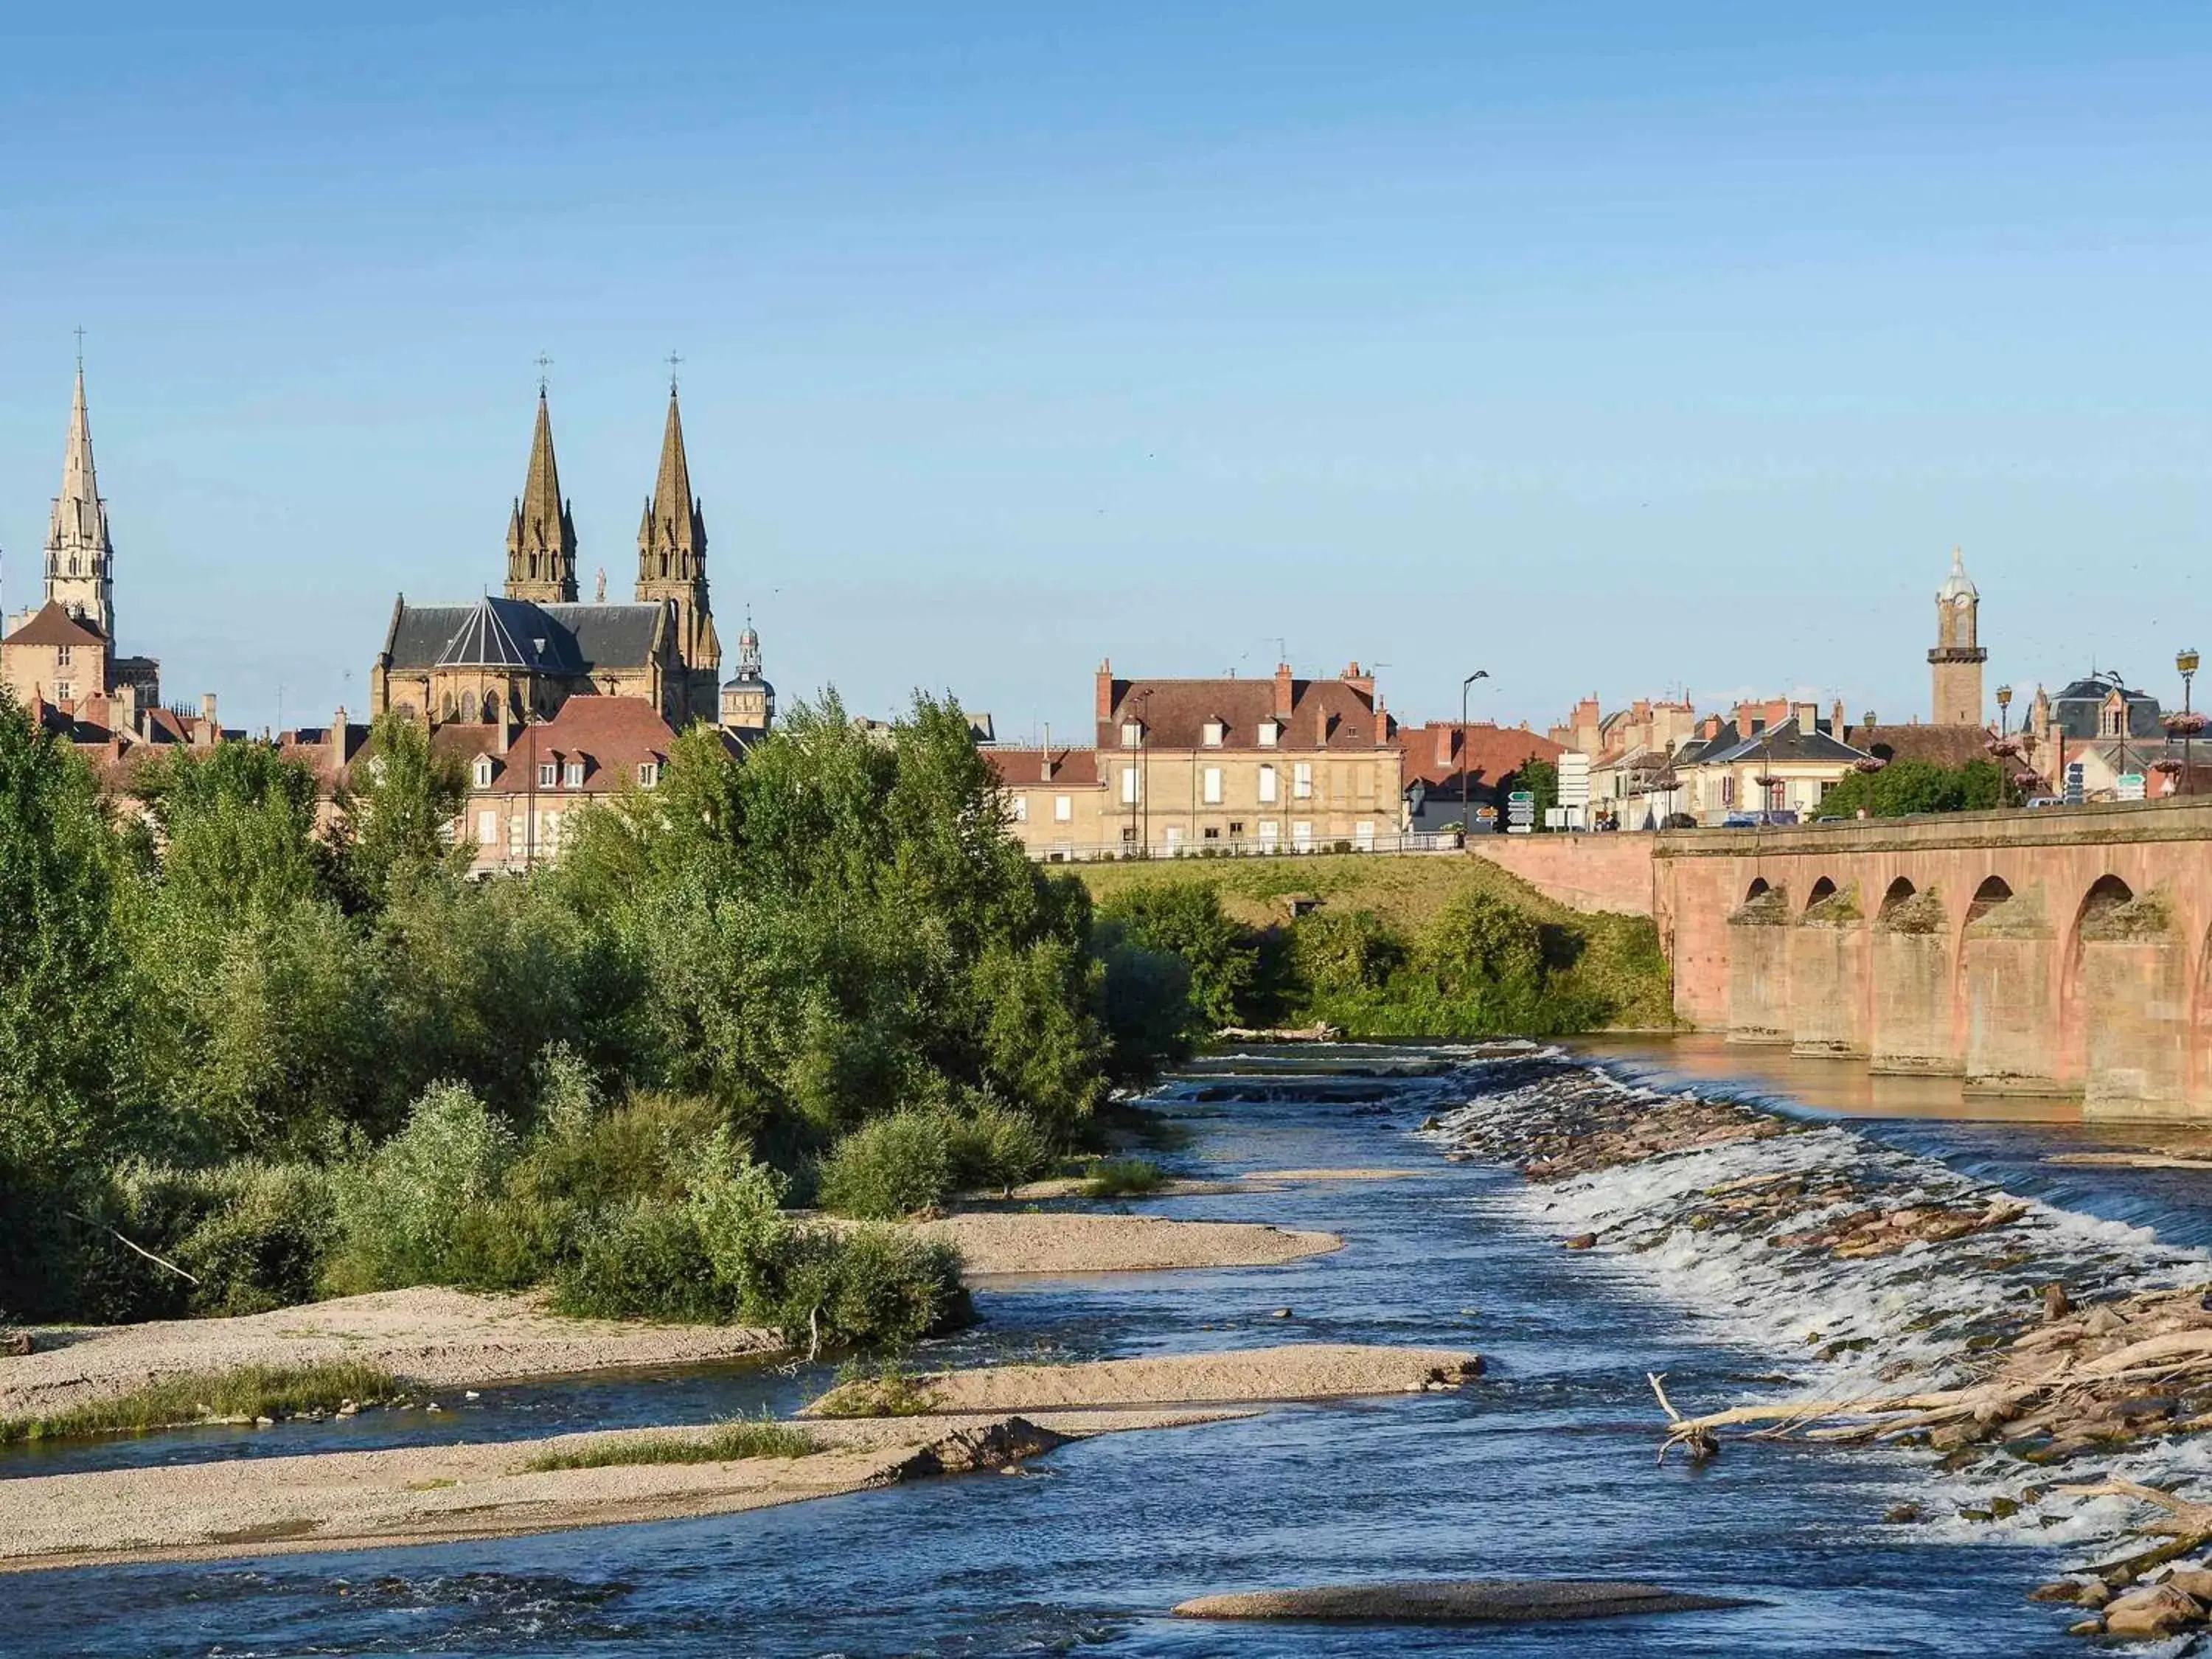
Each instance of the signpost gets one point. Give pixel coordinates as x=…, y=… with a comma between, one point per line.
x=2128, y=785
x=1521, y=812
x=2074, y=788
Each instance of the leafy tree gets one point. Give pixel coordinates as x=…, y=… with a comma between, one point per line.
x=399, y=807
x=1186, y=919
x=1541, y=778
x=1909, y=786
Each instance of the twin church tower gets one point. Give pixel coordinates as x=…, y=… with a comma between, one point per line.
x=522, y=655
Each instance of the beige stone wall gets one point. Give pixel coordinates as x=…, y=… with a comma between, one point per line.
x=1186, y=800
x=1062, y=819
x=56, y=673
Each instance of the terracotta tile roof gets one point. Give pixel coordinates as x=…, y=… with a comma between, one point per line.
x=1945, y=745
x=1076, y=769
x=1433, y=751
x=1331, y=714
x=54, y=626
x=611, y=736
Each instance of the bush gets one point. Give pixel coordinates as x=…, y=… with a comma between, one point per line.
x=1186, y=919
x=417, y=1211
x=1344, y=952
x=1121, y=1177
x=889, y=1387
x=640, y=1258
x=252, y=1233
x=893, y=1166
x=994, y=1146
x=869, y=1286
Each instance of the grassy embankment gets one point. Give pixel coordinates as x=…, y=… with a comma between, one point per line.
x=243, y=1393
x=731, y=1442
x=1384, y=953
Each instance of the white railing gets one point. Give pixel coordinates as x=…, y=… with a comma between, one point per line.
x=1091, y=852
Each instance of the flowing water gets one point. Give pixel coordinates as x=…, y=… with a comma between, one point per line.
x=1545, y=1467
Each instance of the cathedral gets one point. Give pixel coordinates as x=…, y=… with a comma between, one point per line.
x=521, y=656
x=61, y=653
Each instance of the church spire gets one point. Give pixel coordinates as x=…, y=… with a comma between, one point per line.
x=671, y=553
x=541, y=537
x=79, y=554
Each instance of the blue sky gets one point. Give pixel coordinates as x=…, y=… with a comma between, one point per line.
x=1612, y=347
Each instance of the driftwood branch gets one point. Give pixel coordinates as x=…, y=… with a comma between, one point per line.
x=1698, y=1442
x=159, y=1262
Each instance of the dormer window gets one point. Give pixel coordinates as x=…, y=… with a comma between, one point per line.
x=548, y=774
x=575, y=778
x=649, y=774
x=1215, y=733
x=483, y=771
x=1133, y=734
x=1271, y=733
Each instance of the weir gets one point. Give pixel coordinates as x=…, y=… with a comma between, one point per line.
x=2057, y=952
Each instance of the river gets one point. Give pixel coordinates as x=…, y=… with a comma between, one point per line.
x=1545, y=1467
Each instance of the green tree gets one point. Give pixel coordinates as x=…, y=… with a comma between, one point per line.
x=399, y=809
x=1186, y=919
x=1541, y=778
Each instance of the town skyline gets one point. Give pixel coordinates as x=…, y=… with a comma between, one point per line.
x=1009, y=346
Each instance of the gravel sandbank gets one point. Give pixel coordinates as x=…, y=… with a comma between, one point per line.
x=427, y=1335
x=431, y=1494
x=992, y=1243
x=1306, y=1371
x=1258, y=1181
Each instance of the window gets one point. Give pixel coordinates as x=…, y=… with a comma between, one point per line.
x=62, y=656
x=575, y=778
x=1301, y=834
x=1021, y=809
x=1301, y=782
x=1174, y=839
x=1727, y=789
x=1267, y=786
x=63, y=691
x=1271, y=733
x=548, y=774
x=1267, y=827
x=1133, y=734
x=1214, y=733
x=649, y=774
x=487, y=829
x=1363, y=836
x=1063, y=809
x=1212, y=832
x=1209, y=786
x=1128, y=835
x=1235, y=826
x=1128, y=785
x=483, y=771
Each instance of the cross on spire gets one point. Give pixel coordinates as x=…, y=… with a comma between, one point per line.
x=543, y=362
x=80, y=347
x=674, y=363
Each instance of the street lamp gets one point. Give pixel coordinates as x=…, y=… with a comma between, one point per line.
x=2186, y=660
x=1466, y=806
x=2004, y=736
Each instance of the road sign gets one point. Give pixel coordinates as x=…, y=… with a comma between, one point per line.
x=1574, y=779
x=2128, y=785
x=1520, y=812
x=2075, y=787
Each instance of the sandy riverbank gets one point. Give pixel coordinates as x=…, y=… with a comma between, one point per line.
x=434, y=1494
x=1258, y=1181
x=1312, y=1370
x=992, y=1243
x=435, y=1337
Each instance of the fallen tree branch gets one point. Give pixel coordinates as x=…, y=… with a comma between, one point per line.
x=159, y=1262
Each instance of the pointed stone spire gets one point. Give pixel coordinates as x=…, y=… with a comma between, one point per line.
x=671, y=559
x=79, y=554
x=541, y=537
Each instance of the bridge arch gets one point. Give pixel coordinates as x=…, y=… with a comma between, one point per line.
x=1911, y=962
x=1828, y=973
x=2007, y=959
x=2126, y=1005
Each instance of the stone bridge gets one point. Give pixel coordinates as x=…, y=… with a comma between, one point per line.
x=2060, y=952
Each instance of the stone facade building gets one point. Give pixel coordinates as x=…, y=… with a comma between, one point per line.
x=523, y=655
x=1955, y=662
x=62, y=651
x=1055, y=801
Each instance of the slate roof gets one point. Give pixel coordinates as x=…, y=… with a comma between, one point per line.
x=52, y=625
x=2076, y=709
x=1324, y=714
x=1785, y=742
x=578, y=639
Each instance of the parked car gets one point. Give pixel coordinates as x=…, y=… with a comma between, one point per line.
x=1755, y=820
x=2044, y=800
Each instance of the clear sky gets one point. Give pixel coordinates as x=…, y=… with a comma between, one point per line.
x=1613, y=348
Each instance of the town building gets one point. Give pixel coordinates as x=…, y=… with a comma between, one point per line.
x=1230, y=765
x=62, y=651
x=1956, y=660
x=1631, y=754
x=1775, y=757
x=1055, y=800
x=1458, y=776
x=534, y=647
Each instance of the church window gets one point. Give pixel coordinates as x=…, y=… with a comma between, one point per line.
x=649, y=774
x=548, y=774
x=490, y=707
x=483, y=771
x=575, y=778
x=72, y=564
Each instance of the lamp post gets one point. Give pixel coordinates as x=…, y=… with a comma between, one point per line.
x=2186, y=660
x=1466, y=806
x=2004, y=736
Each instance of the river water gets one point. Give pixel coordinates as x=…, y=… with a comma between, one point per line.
x=1545, y=1467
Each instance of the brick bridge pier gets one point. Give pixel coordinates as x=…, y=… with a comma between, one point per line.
x=2060, y=952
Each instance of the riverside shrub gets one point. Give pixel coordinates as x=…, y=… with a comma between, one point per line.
x=408, y=1213
x=896, y=1166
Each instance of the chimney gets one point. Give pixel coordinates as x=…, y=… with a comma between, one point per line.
x=1285, y=695
x=1445, y=744
x=1712, y=728
x=1836, y=720
x=1808, y=716
x=209, y=731
x=1362, y=682
x=338, y=736
x=1106, y=689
